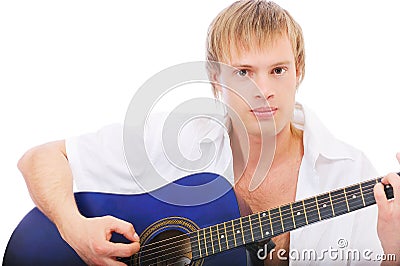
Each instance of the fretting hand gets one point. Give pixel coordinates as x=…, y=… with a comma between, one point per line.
x=389, y=215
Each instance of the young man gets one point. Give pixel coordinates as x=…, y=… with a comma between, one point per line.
x=262, y=42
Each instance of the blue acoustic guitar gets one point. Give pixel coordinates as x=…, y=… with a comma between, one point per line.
x=209, y=234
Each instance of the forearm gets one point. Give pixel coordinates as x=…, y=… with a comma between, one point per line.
x=49, y=180
x=391, y=257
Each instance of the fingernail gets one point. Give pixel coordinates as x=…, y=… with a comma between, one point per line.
x=136, y=237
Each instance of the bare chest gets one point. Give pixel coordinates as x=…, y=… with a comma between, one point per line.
x=278, y=188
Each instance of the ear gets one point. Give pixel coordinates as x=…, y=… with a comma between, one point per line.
x=299, y=75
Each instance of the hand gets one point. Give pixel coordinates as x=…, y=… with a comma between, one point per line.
x=389, y=214
x=89, y=237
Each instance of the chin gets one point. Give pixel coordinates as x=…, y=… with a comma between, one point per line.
x=262, y=128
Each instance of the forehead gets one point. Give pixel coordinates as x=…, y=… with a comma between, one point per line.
x=278, y=49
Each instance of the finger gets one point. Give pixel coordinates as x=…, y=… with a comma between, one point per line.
x=380, y=196
x=394, y=180
x=385, y=179
x=113, y=261
x=122, y=250
x=398, y=157
x=124, y=228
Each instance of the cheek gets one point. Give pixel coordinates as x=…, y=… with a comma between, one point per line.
x=294, y=81
x=287, y=89
x=233, y=101
x=290, y=79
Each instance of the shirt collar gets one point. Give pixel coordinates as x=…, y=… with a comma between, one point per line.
x=317, y=139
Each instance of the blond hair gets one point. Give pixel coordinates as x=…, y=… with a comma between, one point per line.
x=250, y=24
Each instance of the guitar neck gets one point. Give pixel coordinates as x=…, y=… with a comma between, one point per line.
x=285, y=218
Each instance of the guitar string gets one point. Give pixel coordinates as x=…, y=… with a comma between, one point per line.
x=208, y=246
x=246, y=224
x=284, y=216
x=188, y=250
x=296, y=208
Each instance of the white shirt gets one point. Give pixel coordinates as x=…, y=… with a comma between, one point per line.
x=98, y=163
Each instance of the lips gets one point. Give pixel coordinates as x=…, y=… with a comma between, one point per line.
x=264, y=112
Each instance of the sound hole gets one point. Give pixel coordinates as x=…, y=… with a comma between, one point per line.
x=171, y=247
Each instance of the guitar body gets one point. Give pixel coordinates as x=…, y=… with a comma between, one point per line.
x=36, y=240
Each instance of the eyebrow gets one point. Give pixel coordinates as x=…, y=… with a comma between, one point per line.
x=287, y=62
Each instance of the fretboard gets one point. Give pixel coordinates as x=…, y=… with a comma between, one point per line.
x=285, y=218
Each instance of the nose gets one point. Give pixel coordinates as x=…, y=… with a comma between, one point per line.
x=264, y=87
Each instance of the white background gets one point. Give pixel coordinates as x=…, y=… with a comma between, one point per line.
x=69, y=67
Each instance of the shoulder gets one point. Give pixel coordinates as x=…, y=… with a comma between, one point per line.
x=325, y=151
x=107, y=136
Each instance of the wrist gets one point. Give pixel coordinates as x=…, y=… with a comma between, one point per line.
x=392, y=254
x=68, y=223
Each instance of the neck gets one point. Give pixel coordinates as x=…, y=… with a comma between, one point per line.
x=289, y=142
x=258, y=154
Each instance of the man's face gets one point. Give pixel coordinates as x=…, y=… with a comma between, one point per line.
x=261, y=87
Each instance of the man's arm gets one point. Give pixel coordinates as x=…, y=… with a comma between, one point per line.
x=49, y=180
x=389, y=216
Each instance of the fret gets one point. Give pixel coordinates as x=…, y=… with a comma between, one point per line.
x=324, y=206
x=316, y=204
x=212, y=241
x=222, y=238
x=241, y=229
x=291, y=211
x=250, y=239
x=287, y=217
x=218, y=236
x=280, y=215
x=312, y=212
x=305, y=212
x=198, y=237
x=266, y=224
x=270, y=222
x=261, y=228
x=276, y=220
x=232, y=245
x=195, y=245
x=355, y=200
x=362, y=196
x=339, y=202
x=347, y=202
x=298, y=213
x=225, y=237
x=368, y=191
x=205, y=242
x=234, y=233
x=201, y=243
x=330, y=199
x=238, y=232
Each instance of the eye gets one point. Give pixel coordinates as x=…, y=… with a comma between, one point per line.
x=242, y=72
x=279, y=71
